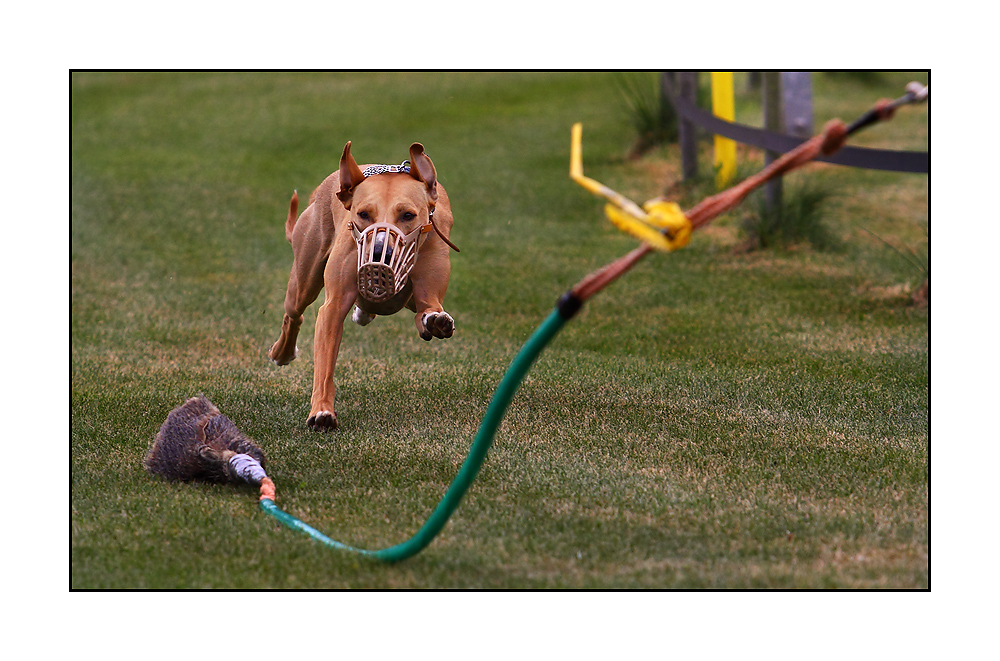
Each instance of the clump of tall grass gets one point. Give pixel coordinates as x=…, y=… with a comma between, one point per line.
x=918, y=260
x=798, y=218
x=651, y=114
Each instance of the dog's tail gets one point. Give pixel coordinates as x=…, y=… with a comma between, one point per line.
x=293, y=214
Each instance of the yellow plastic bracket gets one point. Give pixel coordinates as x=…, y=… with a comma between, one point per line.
x=723, y=107
x=660, y=224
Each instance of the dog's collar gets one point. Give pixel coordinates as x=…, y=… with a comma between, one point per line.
x=403, y=167
x=373, y=170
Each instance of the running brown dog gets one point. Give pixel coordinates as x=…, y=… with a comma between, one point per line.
x=405, y=204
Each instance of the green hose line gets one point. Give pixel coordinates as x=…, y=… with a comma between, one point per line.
x=502, y=397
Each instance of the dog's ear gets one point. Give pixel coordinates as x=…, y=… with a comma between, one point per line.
x=350, y=176
x=422, y=169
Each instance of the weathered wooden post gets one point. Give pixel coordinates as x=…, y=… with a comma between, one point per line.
x=796, y=92
x=772, y=122
x=684, y=85
x=687, y=88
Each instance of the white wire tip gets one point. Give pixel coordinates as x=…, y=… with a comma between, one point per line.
x=917, y=91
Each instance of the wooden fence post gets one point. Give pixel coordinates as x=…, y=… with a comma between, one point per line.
x=684, y=85
x=687, y=88
x=796, y=93
x=772, y=122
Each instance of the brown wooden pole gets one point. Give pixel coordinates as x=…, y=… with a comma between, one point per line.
x=687, y=82
x=772, y=122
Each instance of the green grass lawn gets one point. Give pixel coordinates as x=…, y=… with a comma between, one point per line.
x=714, y=419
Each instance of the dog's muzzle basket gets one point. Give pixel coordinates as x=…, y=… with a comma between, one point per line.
x=385, y=258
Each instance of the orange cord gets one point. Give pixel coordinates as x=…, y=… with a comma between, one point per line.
x=267, y=490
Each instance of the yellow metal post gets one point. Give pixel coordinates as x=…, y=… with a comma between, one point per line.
x=724, y=108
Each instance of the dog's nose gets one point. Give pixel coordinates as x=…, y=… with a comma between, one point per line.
x=379, y=246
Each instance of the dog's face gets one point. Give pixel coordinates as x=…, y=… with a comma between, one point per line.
x=394, y=199
x=388, y=215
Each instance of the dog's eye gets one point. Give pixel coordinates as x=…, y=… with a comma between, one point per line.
x=363, y=215
x=409, y=215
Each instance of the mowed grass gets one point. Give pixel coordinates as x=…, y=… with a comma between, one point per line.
x=713, y=420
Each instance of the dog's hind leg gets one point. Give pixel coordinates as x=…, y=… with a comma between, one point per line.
x=305, y=281
x=297, y=299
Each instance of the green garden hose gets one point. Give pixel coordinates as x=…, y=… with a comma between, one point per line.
x=568, y=306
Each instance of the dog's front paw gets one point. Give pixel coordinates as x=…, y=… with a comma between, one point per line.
x=323, y=421
x=439, y=325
